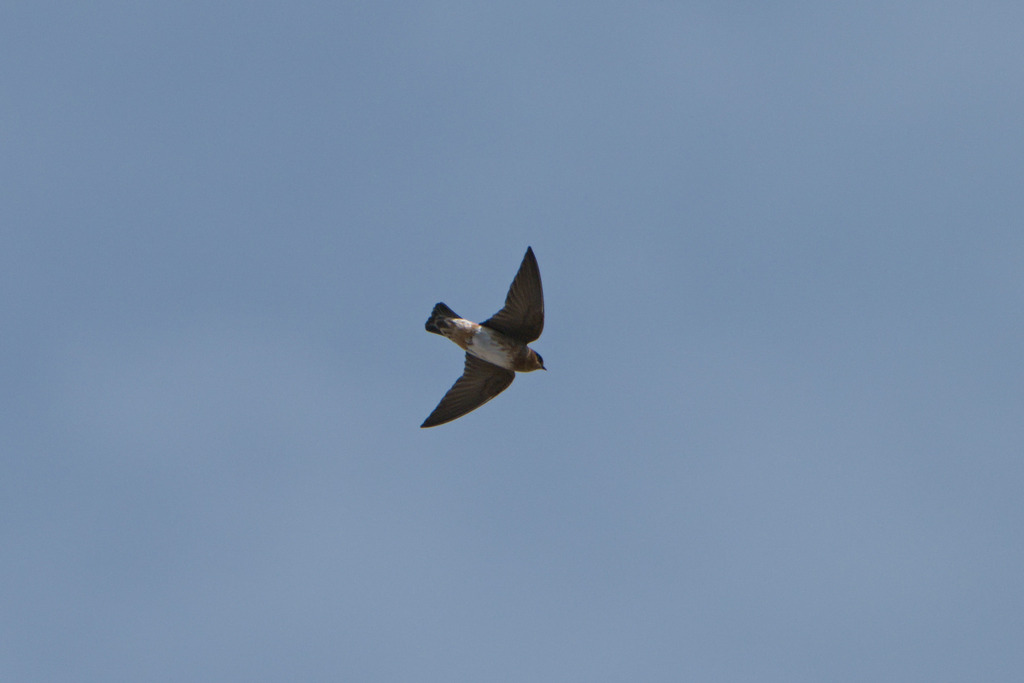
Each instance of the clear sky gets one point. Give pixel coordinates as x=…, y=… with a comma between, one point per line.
x=781, y=434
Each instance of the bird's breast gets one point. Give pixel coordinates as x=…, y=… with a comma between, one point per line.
x=492, y=347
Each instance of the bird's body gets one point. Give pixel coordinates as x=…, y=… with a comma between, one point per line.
x=484, y=343
x=495, y=349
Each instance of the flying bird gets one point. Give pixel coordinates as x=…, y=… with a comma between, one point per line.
x=495, y=349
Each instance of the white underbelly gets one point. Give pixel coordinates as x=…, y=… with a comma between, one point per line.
x=483, y=346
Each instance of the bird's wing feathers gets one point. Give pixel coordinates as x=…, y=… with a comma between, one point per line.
x=480, y=382
x=522, y=317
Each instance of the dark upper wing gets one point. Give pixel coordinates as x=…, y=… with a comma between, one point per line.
x=480, y=382
x=522, y=318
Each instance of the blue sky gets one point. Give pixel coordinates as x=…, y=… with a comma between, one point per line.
x=780, y=438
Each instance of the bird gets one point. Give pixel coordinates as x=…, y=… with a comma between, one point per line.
x=495, y=349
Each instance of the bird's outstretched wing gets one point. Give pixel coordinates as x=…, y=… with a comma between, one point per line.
x=480, y=382
x=522, y=318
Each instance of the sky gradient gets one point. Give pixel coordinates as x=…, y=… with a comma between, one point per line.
x=781, y=435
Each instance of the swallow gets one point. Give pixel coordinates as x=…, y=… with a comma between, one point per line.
x=495, y=349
